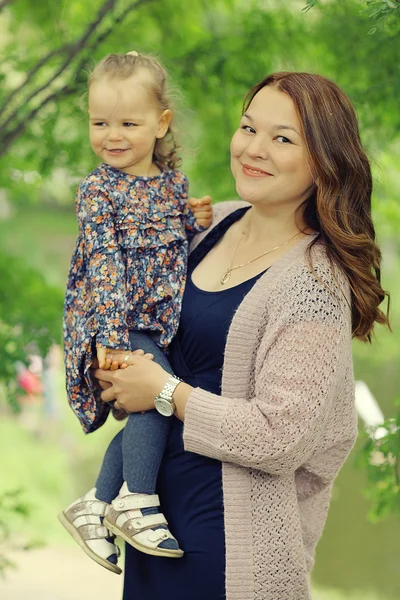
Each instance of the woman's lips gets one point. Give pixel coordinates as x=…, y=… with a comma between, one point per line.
x=255, y=172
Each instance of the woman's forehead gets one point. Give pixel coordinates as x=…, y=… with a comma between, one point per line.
x=273, y=108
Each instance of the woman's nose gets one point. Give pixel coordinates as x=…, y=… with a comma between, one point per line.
x=257, y=148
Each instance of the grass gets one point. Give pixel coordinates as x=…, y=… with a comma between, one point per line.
x=53, y=462
x=331, y=594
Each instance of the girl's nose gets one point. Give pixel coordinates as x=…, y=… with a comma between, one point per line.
x=115, y=133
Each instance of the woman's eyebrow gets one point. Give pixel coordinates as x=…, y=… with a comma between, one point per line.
x=290, y=127
x=278, y=127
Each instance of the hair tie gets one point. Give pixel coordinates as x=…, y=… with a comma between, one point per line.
x=133, y=53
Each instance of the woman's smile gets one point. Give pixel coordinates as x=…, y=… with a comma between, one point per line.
x=255, y=172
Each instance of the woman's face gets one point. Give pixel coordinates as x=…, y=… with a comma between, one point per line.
x=268, y=152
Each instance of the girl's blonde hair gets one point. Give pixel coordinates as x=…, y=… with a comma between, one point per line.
x=123, y=66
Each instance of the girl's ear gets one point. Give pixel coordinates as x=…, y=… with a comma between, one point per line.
x=164, y=122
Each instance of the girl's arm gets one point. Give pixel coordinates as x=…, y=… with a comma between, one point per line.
x=197, y=212
x=106, y=271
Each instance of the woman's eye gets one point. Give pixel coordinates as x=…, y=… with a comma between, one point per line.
x=283, y=139
x=247, y=128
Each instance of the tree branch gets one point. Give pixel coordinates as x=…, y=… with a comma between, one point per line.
x=11, y=135
x=68, y=89
x=32, y=73
x=72, y=51
x=5, y=3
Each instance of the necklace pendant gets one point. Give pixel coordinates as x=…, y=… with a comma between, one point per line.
x=225, y=277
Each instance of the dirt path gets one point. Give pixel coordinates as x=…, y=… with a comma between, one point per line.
x=59, y=574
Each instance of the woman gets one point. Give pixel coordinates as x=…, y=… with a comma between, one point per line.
x=276, y=291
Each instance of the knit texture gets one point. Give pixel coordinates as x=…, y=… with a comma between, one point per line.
x=285, y=421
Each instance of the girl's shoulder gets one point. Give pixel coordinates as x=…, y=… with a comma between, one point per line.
x=99, y=177
x=177, y=179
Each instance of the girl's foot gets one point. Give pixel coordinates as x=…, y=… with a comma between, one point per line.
x=129, y=518
x=83, y=519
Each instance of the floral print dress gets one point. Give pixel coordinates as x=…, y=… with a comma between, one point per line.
x=128, y=272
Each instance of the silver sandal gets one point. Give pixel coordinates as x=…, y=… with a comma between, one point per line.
x=83, y=521
x=144, y=532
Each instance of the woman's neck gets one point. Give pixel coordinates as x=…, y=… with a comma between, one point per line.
x=260, y=226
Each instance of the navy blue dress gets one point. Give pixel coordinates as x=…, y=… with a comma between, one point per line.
x=190, y=485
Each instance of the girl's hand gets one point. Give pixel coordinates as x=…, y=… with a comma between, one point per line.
x=202, y=210
x=108, y=359
x=135, y=387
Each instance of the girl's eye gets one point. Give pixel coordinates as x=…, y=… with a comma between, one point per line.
x=99, y=124
x=247, y=128
x=129, y=124
x=283, y=139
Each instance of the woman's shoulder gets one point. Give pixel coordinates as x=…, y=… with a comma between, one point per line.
x=221, y=210
x=311, y=285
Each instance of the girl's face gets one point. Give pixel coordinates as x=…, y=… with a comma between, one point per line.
x=268, y=154
x=125, y=123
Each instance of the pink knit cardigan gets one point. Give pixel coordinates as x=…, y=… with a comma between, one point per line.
x=284, y=424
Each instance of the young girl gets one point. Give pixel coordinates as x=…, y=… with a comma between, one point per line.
x=124, y=291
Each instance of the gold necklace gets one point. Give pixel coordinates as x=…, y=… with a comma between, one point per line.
x=227, y=274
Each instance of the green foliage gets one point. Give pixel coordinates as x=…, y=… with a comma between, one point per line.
x=30, y=312
x=202, y=48
x=381, y=459
x=379, y=10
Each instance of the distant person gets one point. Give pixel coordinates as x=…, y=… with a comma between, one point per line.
x=124, y=291
x=276, y=290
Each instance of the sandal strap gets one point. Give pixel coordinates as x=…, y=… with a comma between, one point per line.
x=133, y=501
x=87, y=507
x=159, y=535
x=145, y=522
x=93, y=532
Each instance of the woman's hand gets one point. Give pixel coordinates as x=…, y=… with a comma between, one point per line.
x=135, y=387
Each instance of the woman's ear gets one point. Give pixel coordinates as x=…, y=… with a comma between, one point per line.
x=164, y=122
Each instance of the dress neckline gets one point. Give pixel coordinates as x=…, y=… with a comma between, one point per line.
x=209, y=242
x=161, y=175
x=227, y=290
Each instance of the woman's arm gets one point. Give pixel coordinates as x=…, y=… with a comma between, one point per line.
x=135, y=387
x=281, y=426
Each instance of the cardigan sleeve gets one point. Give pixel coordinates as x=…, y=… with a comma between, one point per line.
x=106, y=270
x=280, y=427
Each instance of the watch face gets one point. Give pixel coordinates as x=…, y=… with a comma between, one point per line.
x=164, y=407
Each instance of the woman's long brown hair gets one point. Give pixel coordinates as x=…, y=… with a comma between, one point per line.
x=340, y=207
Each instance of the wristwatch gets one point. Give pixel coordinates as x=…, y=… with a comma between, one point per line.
x=163, y=402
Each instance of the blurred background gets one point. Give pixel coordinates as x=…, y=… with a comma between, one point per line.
x=214, y=50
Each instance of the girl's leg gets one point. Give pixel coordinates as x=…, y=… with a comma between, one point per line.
x=145, y=435
x=110, y=478
x=143, y=443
